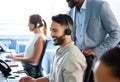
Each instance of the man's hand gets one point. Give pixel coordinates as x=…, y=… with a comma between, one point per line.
x=27, y=79
x=88, y=52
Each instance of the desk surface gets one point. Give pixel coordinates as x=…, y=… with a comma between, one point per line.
x=16, y=67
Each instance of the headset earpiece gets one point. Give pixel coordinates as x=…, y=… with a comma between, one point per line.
x=68, y=31
x=37, y=25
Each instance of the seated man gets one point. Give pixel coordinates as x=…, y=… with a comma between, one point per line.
x=108, y=68
x=69, y=64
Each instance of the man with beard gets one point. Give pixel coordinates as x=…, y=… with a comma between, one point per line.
x=69, y=63
x=95, y=29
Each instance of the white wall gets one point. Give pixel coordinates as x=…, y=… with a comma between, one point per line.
x=115, y=6
x=14, y=13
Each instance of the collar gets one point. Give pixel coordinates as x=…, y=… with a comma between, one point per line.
x=83, y=7
x=62, y=49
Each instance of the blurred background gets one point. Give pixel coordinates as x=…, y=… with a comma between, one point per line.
x=14, y=15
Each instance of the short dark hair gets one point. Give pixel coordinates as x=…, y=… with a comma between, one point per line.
x=63, y=19
x=111, y=58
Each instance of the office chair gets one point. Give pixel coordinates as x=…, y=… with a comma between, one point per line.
x=89, y=60
x=36, y=71
x=41, y=58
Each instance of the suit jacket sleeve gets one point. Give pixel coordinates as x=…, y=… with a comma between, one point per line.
x=111, y=26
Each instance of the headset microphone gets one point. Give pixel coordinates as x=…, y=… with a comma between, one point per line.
x=60, y=40
x=61, y=37
x=32, y=29
x=36, y=26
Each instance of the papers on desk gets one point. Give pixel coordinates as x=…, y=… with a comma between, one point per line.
x=4, y=54
x=14, y=77
x=10, y=62
x=17, y=69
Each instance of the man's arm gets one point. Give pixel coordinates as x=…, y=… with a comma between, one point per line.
x=74, y=69
x=111, y=26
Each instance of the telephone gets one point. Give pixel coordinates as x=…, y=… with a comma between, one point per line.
x=3, y=48
x=4, y=68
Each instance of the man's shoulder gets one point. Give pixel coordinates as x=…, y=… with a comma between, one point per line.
x=99, y=2
x=75, y=50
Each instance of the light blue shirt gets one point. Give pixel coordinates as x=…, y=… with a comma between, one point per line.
x=79, y=23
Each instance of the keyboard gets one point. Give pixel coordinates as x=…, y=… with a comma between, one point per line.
x=12, y=80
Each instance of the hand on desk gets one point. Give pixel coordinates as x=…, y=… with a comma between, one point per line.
x=12, y=63
x=11, y=57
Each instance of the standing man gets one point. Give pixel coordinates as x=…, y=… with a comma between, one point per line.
x=69, y=64
x=95, y=28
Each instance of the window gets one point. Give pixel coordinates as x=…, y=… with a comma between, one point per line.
x=14, y=16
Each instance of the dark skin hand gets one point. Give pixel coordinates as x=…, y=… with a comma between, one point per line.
x=88, y=52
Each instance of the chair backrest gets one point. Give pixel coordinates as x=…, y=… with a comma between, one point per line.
x=41, y=73
x=43, y=52
x=89, y=60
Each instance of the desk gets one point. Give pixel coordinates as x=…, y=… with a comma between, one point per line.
x=16, y=72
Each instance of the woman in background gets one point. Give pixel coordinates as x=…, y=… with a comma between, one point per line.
x=33, y=50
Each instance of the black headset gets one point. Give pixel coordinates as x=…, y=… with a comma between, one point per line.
x=68, y=30
x=37, y=23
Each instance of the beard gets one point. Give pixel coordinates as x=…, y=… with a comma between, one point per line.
x=59, y=41
x=71, y=3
